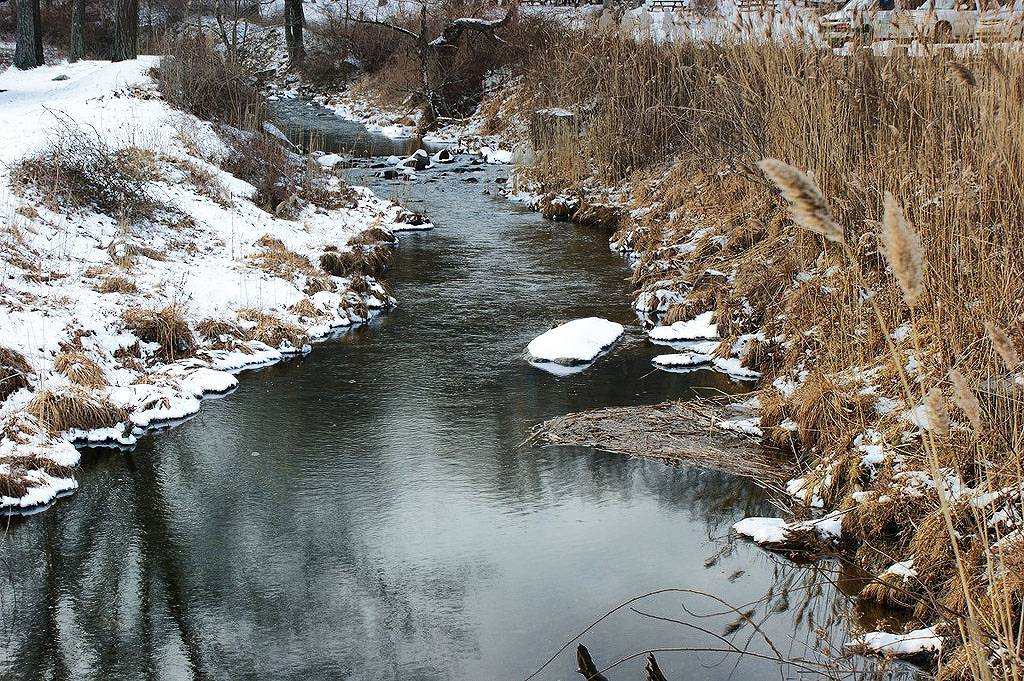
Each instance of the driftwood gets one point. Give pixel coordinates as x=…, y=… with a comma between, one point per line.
x=585, y=666
x=683, y=432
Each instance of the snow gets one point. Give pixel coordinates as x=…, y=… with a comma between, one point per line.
x=762, y=530
x=915, y=642
x=904, y=569
x=690, y=360
x=576, y=342
x=751, y=426
x=777, y=530
x=698, y=328
x=204, y=262
x=496, y=156
x=682, y=359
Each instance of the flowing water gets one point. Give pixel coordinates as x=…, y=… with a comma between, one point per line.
x=365, y=512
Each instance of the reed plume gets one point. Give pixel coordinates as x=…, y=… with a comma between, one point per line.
x=966, y=399
x=902, y=248
x=809, y=208
x=938, y=417
x=1003, y=345
x=963, y=74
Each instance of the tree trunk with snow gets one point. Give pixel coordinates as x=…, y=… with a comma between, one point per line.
x=28, y=50
x=126, y=30
x=293, y=22
x=77, y=38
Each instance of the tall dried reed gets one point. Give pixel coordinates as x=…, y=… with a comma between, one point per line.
x=914, y=165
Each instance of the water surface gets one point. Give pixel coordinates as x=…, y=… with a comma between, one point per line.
x=365, y=512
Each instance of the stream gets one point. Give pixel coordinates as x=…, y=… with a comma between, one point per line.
x=365, y=511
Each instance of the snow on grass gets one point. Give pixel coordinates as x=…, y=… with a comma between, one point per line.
x=750, y=426
x=689, y=360
x=69, y=276
x=912, y=643
x=574, y=343
x=698, y=328
x=776, y=532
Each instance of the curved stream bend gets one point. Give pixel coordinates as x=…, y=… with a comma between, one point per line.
x=364, y=512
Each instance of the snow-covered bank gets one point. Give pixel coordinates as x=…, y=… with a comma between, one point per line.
x=113, y=325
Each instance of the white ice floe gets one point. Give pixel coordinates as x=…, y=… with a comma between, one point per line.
x=698, y=328
x=576, y=342
x=695, y=360
x=916, y=642
x=762, y=530
x=682, y=359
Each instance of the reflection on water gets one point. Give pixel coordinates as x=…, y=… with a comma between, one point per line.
x=365, y=512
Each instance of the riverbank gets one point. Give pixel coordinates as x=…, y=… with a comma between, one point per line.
x=139, y=275
x=877, y=306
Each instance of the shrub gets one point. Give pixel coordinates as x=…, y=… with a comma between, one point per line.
x=80, y=170
x=198, y=78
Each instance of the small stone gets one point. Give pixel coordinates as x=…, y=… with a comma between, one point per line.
x=62, y=77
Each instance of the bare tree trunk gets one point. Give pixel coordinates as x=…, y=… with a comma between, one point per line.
x=77, y=38
x=293, y=22
x=126, y=30
x=28, y=50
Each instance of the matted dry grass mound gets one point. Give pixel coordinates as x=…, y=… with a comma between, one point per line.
x=80, y=368
x=74, y=410
x=14, y=372
x=166, y=327
x=272, y=330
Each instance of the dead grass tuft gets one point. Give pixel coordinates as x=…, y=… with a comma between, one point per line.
x=74, y=409
x=14, y=372
x=78, y=367
x=272, y=330
x=116, y=284
x=166, y=327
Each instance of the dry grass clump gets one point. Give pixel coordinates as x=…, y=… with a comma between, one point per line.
x=74, y=410
x=14, y=372
x=80, y=170
x=166, y=327
x=123, y=253
x=276, y=259
x=306, y=309
x=360, y=260
x=373, y=236
x=272, y=330
x=80, y=368
x=116, y=284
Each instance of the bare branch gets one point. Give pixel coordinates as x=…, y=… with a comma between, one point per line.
x=385, y=24
x=451, y=33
